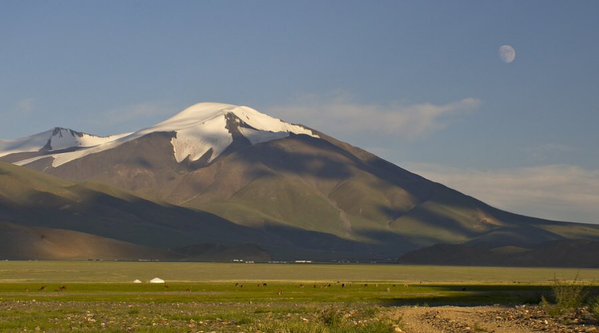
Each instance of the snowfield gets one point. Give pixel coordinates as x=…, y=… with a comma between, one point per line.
x=198, y=129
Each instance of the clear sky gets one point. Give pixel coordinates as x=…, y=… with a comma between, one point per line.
x=420, y=83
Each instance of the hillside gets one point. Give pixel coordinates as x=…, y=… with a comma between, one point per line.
x=118, y=225
x=279, y=186
x=556, y=253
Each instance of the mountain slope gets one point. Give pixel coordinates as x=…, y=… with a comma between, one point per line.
x=18, y=242
x=120, y=225
x=292, y=184
x=36, y=200
x=555, y=253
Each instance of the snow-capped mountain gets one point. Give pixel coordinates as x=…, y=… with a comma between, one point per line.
x=291, y=190
x=54, y=140
x=204, y=128
x=212, y=126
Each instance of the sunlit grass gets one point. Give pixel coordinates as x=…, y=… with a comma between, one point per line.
x=93, y=296
x=124, y=272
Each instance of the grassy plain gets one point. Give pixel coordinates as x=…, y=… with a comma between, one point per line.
x=106, y=271
x=94, y=296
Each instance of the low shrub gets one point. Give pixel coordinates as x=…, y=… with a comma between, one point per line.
x=331, y=316
x=595, y=310
x=568, y=297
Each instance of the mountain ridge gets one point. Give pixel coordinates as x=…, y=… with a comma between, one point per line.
x=199, y=128
x=264, y=175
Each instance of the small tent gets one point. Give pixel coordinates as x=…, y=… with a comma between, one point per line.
x=157, y=280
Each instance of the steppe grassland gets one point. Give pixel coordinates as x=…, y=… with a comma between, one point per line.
x=104, y=272
x=92, y=296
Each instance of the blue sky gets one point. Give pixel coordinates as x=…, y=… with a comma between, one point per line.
x=418, y=82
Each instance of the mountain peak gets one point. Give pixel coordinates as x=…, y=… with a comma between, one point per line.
x=196, y=113
x=201, y=113
x=202, y=127
x=56, y=138
x=65, y=138
x=198, y=130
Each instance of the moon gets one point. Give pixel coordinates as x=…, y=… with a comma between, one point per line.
x=507, y=54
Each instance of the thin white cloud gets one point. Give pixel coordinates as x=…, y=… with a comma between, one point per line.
x=340, y=115
x=132, y=116
x=558, y=192
x=136, y=111
x=545, y=152
x=25, y=106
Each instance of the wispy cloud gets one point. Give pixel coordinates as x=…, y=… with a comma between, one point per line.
x=136, y=111
x=134, y=116
x=559, y=192
x=341, y=115
x=546, y=152
x=25, y=106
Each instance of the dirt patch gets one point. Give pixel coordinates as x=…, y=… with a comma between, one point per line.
x=520, y=319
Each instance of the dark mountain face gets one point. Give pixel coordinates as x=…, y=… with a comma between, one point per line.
x=554, y=253
x=292, y=195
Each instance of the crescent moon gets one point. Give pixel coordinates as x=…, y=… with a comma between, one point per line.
x=507, y=54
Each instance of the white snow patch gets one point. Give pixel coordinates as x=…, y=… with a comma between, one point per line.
x=197, y=129
x=27, y=144
x=195, y=141
x=64, y=139
x=62, y=158
x=263, y=122
x=256, y=137
x=203, y=126
x=59, y=139
x=31, y=160
x=88, y=145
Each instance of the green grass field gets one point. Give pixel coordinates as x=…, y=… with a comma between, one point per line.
x=94, y=296
x=100, y=272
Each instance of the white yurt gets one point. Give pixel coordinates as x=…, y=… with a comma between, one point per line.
x=137, y=281
x=157, y=280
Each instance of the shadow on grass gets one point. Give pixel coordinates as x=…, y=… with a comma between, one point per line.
x=472, y=296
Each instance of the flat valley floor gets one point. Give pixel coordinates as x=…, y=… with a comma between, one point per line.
x=206, y=297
